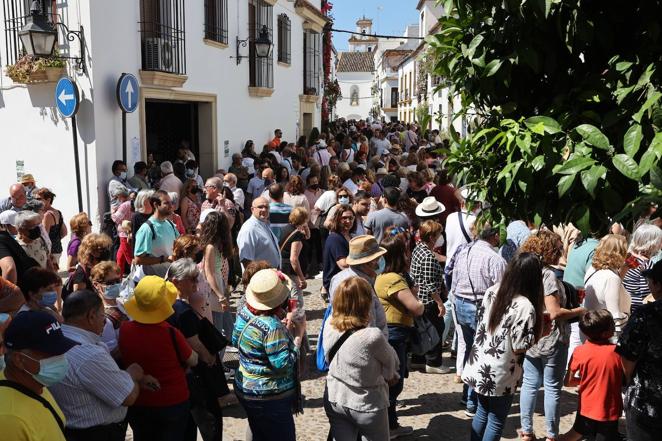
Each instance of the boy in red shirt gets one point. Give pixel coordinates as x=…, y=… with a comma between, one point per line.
x=597, y=369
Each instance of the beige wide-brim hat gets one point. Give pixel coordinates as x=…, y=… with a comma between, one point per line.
x=430, y=207
x=268, y=289
x=363, y=249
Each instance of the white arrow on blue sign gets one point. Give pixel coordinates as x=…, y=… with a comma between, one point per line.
x=127, y=92
x=67, y=98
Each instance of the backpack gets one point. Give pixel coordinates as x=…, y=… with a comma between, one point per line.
x=320, y=360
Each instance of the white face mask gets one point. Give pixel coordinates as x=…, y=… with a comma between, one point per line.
x=440, y=242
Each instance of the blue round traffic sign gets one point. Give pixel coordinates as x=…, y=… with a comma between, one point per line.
x=127, y=92
x=67, y=98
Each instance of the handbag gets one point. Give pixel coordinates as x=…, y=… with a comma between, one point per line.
x=210, y=337
x=426, y=336
x=128, y=284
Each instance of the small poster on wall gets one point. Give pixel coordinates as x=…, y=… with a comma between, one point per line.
x=20, y=169
x=226, y=148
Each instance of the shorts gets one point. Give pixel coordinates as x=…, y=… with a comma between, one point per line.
x=601, y=430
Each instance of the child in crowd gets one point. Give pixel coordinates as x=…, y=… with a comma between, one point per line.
x=597, y=370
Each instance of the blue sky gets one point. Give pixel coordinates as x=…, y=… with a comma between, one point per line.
x=389, y=17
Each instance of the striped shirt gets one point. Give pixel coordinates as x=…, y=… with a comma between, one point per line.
x=635, y=284
x=475, y=267
x=94, y=388
x=267, y=355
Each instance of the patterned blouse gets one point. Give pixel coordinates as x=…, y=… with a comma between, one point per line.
x=267, y=355
x=493, y=368
x=427, y=273
x=640, y=342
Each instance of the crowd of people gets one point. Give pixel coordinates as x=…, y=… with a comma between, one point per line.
x=142, y=331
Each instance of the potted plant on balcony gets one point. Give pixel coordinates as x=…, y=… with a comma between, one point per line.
x=29, y=69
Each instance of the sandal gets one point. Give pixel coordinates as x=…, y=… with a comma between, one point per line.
x=526, y=436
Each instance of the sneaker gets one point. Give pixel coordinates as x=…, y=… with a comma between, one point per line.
x=437, y=370
x=470, y=412
x=399, y=431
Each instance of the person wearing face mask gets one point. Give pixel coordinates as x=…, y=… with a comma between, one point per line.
x=192, y=172
x=41, y=290
x=95, y=410
x=106, y=282
x=365, y=260
x=28, y=225
x=14, y=261
x=119, y=169
x=35, y=362
x=427, y=273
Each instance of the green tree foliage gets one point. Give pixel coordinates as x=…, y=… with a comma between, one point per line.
x=565, y=100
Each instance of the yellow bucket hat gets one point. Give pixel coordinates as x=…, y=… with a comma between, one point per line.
x=152, y=300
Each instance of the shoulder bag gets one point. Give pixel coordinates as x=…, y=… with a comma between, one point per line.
x=426, y=336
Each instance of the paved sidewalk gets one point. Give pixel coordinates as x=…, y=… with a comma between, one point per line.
x=429, y=403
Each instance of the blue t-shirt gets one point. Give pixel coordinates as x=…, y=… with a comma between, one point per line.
x=158, y=244
x=335, y=248
x=579, y=260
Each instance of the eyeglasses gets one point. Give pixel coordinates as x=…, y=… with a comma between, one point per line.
x=343, y=195
x=210, y=186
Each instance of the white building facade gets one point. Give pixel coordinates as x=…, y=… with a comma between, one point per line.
x=200, y=81
x=354, y=73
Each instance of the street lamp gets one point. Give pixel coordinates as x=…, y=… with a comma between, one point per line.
x=262, y=45
x=38, y=35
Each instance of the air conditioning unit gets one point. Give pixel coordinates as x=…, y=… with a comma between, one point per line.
x=159, y=54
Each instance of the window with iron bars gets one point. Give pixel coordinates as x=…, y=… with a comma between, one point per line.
x=261, y=70
x=15, y=14
x=216, y=20
x=311, y=63
x=162, y=34
x=284, y=39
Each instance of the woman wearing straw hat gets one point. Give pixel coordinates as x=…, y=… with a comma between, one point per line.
x=164, y=353
x=266, y=382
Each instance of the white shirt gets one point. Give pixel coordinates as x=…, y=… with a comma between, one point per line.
x=326, y=201
x=380, y=145
x=249, y=163
x=454, y=235
x=239, y=197
x=605, y=290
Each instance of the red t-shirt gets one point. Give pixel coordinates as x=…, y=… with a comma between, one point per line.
x=601, y=376
x=152, y=348
x=446, y=195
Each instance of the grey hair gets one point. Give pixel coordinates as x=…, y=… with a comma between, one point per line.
x=215, y=181
x=646, y=240
x=166, y=167
x=141, y=198
x=25, y=217
x=183, y=269
x=119, y=191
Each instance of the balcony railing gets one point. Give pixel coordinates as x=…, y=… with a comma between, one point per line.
x=162, y=33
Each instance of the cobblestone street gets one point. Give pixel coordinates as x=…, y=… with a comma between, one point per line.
x=429, y=403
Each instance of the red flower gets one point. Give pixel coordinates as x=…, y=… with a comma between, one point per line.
x=632, y=262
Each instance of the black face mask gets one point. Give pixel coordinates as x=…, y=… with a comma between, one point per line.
x=314, y=186
x=34, y=233
x=196, y=190
x=198, y=256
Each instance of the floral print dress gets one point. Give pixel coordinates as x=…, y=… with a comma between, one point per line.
x=493, y=368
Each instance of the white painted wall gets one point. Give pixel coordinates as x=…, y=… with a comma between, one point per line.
x=363, y=80
x=31, y=129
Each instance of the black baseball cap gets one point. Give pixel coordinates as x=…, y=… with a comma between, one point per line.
x=38, y=331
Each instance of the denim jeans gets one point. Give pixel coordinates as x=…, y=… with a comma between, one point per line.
x=548, y=371
x=166, y=423
x=398, y=338
x=433, y=356
x=490, y=417
x=270, y=420
x=465, y=313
